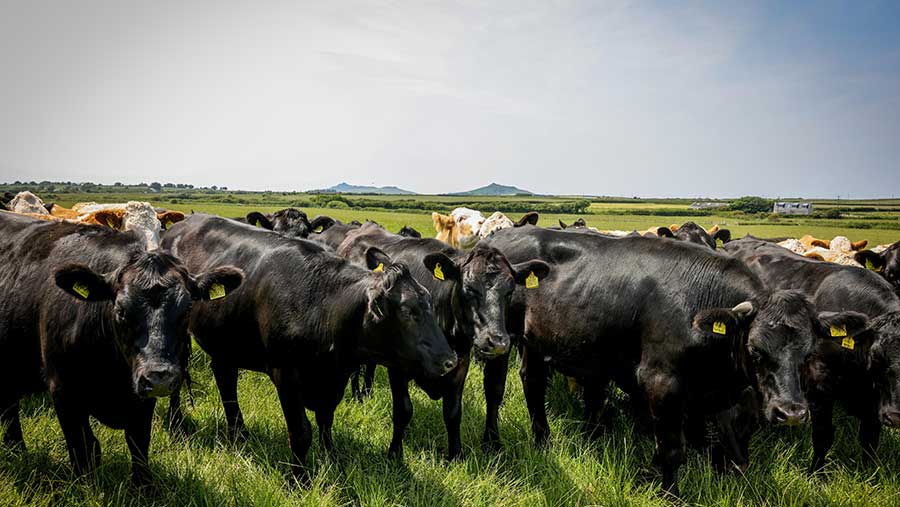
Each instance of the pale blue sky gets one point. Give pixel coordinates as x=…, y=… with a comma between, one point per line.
x=613, y=98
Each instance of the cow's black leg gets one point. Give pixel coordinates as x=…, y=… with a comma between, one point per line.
x=9, y=417
x=175, y=416
x=595, y=394
x=869, y=434
x=290, y=394
x=495, y=371
x=453, y=406
x=822, y=430
x=83, y=447
x=369, y=379
x=137, y=436
x=403, y=410
x=667, y=413
x=226, y=380
x=325, y=419
x=534, y=373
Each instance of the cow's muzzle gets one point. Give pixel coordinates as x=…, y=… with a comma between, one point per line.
x=789, y=414
x=156, y=381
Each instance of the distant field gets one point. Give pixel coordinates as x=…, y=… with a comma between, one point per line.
x=878, y=227
x=205, y=469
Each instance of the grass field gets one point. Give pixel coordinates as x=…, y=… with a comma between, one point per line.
x=205, y=469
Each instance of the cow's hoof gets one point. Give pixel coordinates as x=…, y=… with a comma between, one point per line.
x=395, y=453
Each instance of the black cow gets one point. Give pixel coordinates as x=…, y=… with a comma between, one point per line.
x=858, y=365
x=5, y=198
x=886, y=263
x=289, y=222
x=307, y=318
x=100, y=322
x=335, y=234
x=408, y=232
x=672, y=321
x=693, y=233
x=470, y=292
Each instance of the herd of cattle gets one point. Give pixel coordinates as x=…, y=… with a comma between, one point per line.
x=100, y=302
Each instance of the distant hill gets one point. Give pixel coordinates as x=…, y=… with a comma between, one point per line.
x=346, y=188
x=495, y=189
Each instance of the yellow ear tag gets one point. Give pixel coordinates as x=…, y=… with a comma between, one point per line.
x=838, y=331
x=531, y=281
x=258, y=224
x=167, y=224
x=110, y=223
x=379, y=268
x=81, y=289
x=719, y=327
x=216, y=291
x=848, y=343
x=871, y=267
x=437, y=271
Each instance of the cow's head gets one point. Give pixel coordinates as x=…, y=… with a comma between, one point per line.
x=782, y=334
x=693, y=233
x=169, y=218
x=409, y=232
x=289, y=222
x=151, y=301
x=886, y=263
x=484, y=283
x=468, y=226
x=875, y=345
x=401, y=329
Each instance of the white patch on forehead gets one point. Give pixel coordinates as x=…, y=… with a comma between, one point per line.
x=26, y=202
x=141, y=217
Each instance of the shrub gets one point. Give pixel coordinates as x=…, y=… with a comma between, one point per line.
x=751, y=204
x=337, y=204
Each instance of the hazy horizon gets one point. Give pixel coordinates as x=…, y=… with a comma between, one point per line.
x=566, y=98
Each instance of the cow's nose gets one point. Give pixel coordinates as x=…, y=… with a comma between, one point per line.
x=890, y=418
x=789, y=414
x=449, y=364
x=158, y=381
x=495, y=345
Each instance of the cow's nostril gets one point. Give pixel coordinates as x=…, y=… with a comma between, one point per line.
x=449, y=364
x=779, y=415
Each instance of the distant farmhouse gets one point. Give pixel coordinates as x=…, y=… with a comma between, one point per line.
x=793, y=208
x=708, y=205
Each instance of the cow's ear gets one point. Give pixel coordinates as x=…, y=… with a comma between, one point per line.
x=563, y=224
x=442, y=222
x=724, y=235
x=259, y=220
x=529, y=272
x=664, y=232
x=169, y=218
x=871, y=260
x=83, y=283
x=216, y=283
x=322, y=222
x=376, y=259
x=529, y=218
x=840, y=325
x=724, y=322
x=441, y=266
x=109, y=218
